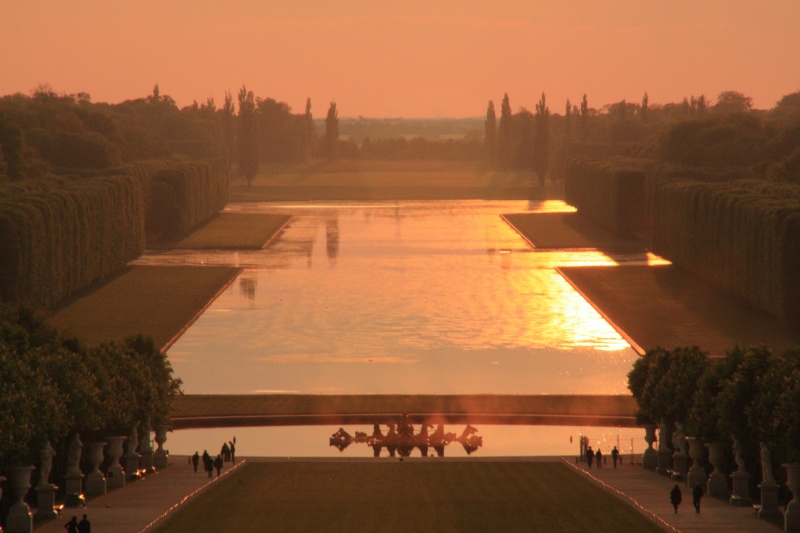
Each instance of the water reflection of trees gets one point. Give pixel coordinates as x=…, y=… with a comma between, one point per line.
x=247, y=287
x=400, y=439
x=332, y=239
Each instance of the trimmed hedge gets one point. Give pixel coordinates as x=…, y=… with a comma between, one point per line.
x=180, y=195
x=742, y=236
x=58, y=236
x=609, y=191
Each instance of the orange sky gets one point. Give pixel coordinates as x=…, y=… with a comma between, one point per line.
x=412, y=58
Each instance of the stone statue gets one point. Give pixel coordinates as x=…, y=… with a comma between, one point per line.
x=738, y=455
x=662, y=435
x=74, y=454
x=146, y=431
x=679, y=439
x=47, y=453
x=766, y=465
x=133, y=439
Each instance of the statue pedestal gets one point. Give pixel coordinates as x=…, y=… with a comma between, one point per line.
x=146, y=462
x=791, y=517
x=46, y=498
x=115, y=476
x=132, y=465
x=680, y=466
x=769, y=501
x=650, y=459
x=696, y=474
x=95, y=484
x=741, y=489
x=664, y=461
x=74, y=490
x=19, y=518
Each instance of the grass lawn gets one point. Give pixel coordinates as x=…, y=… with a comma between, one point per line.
x=152, y=300
x=231, y=231
x=567, y=230
x=300, y=404
x=420, y=496
x=665, y=306
x=389, y=180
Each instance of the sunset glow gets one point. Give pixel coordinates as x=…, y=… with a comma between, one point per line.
x=410, y=59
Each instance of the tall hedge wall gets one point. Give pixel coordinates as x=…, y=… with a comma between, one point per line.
x=743, y=236
x=58, y=236
x=609, y=191
x=179, y=195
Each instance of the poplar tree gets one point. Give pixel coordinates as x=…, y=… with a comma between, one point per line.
x=490, y=135
x=248, y=135
x=331, y=131
x=228, y=112
x=643, y=112
x=584, y=116
x=541, y=143
x=504, y=134
x=309, y=133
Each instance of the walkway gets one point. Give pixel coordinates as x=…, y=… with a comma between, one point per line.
x=141, y=504
x=650, y=493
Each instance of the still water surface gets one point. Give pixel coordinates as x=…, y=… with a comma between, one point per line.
x=438, y=297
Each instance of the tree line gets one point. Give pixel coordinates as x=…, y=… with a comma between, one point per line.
x=751, y=396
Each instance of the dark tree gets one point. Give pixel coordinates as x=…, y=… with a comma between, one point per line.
x=644, y=110
x=331, y=131
x=733, y=102
x=505, y=138
x=11, y=147
x=490, y=134
x=541, y=144
x=584, y=116
x=248, y=135
x=309, y=131
x=567, y=120
x=228, y=112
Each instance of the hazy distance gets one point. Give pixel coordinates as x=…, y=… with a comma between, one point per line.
x=407, y=59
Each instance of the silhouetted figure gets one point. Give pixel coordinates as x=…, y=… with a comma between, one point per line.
x=675, y=497
x=208, y=463
x=72, y=525
x=599, y=458
x=233, y=451
x=225, y=452
x=195, y=460
x=84, y=526
x=697, y=493
x=615, y=456
x=589, y=456
x=218, y=464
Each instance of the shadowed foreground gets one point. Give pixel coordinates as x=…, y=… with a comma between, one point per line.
x=407, y=496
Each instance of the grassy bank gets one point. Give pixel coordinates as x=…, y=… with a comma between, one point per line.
x=299, y=404
x=404, y=496
x=568, y=231
x=390, y=180
x=231, y=231
x=156, y=301
x=665, y=306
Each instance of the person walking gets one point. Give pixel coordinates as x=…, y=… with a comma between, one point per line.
x=589, y=456
x=84, y=526
x=598, y=456
x=615, y=456
x=675, y=497
x=72, y=525
x=697, y=493
x=195, y=460
x=218, y=464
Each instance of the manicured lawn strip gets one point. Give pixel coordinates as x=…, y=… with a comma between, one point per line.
x=567, y=230
x=425, y=495
x=389, y=180
x=665, y=306
x=159, y=301
x=231, y=231
x=299, y=404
